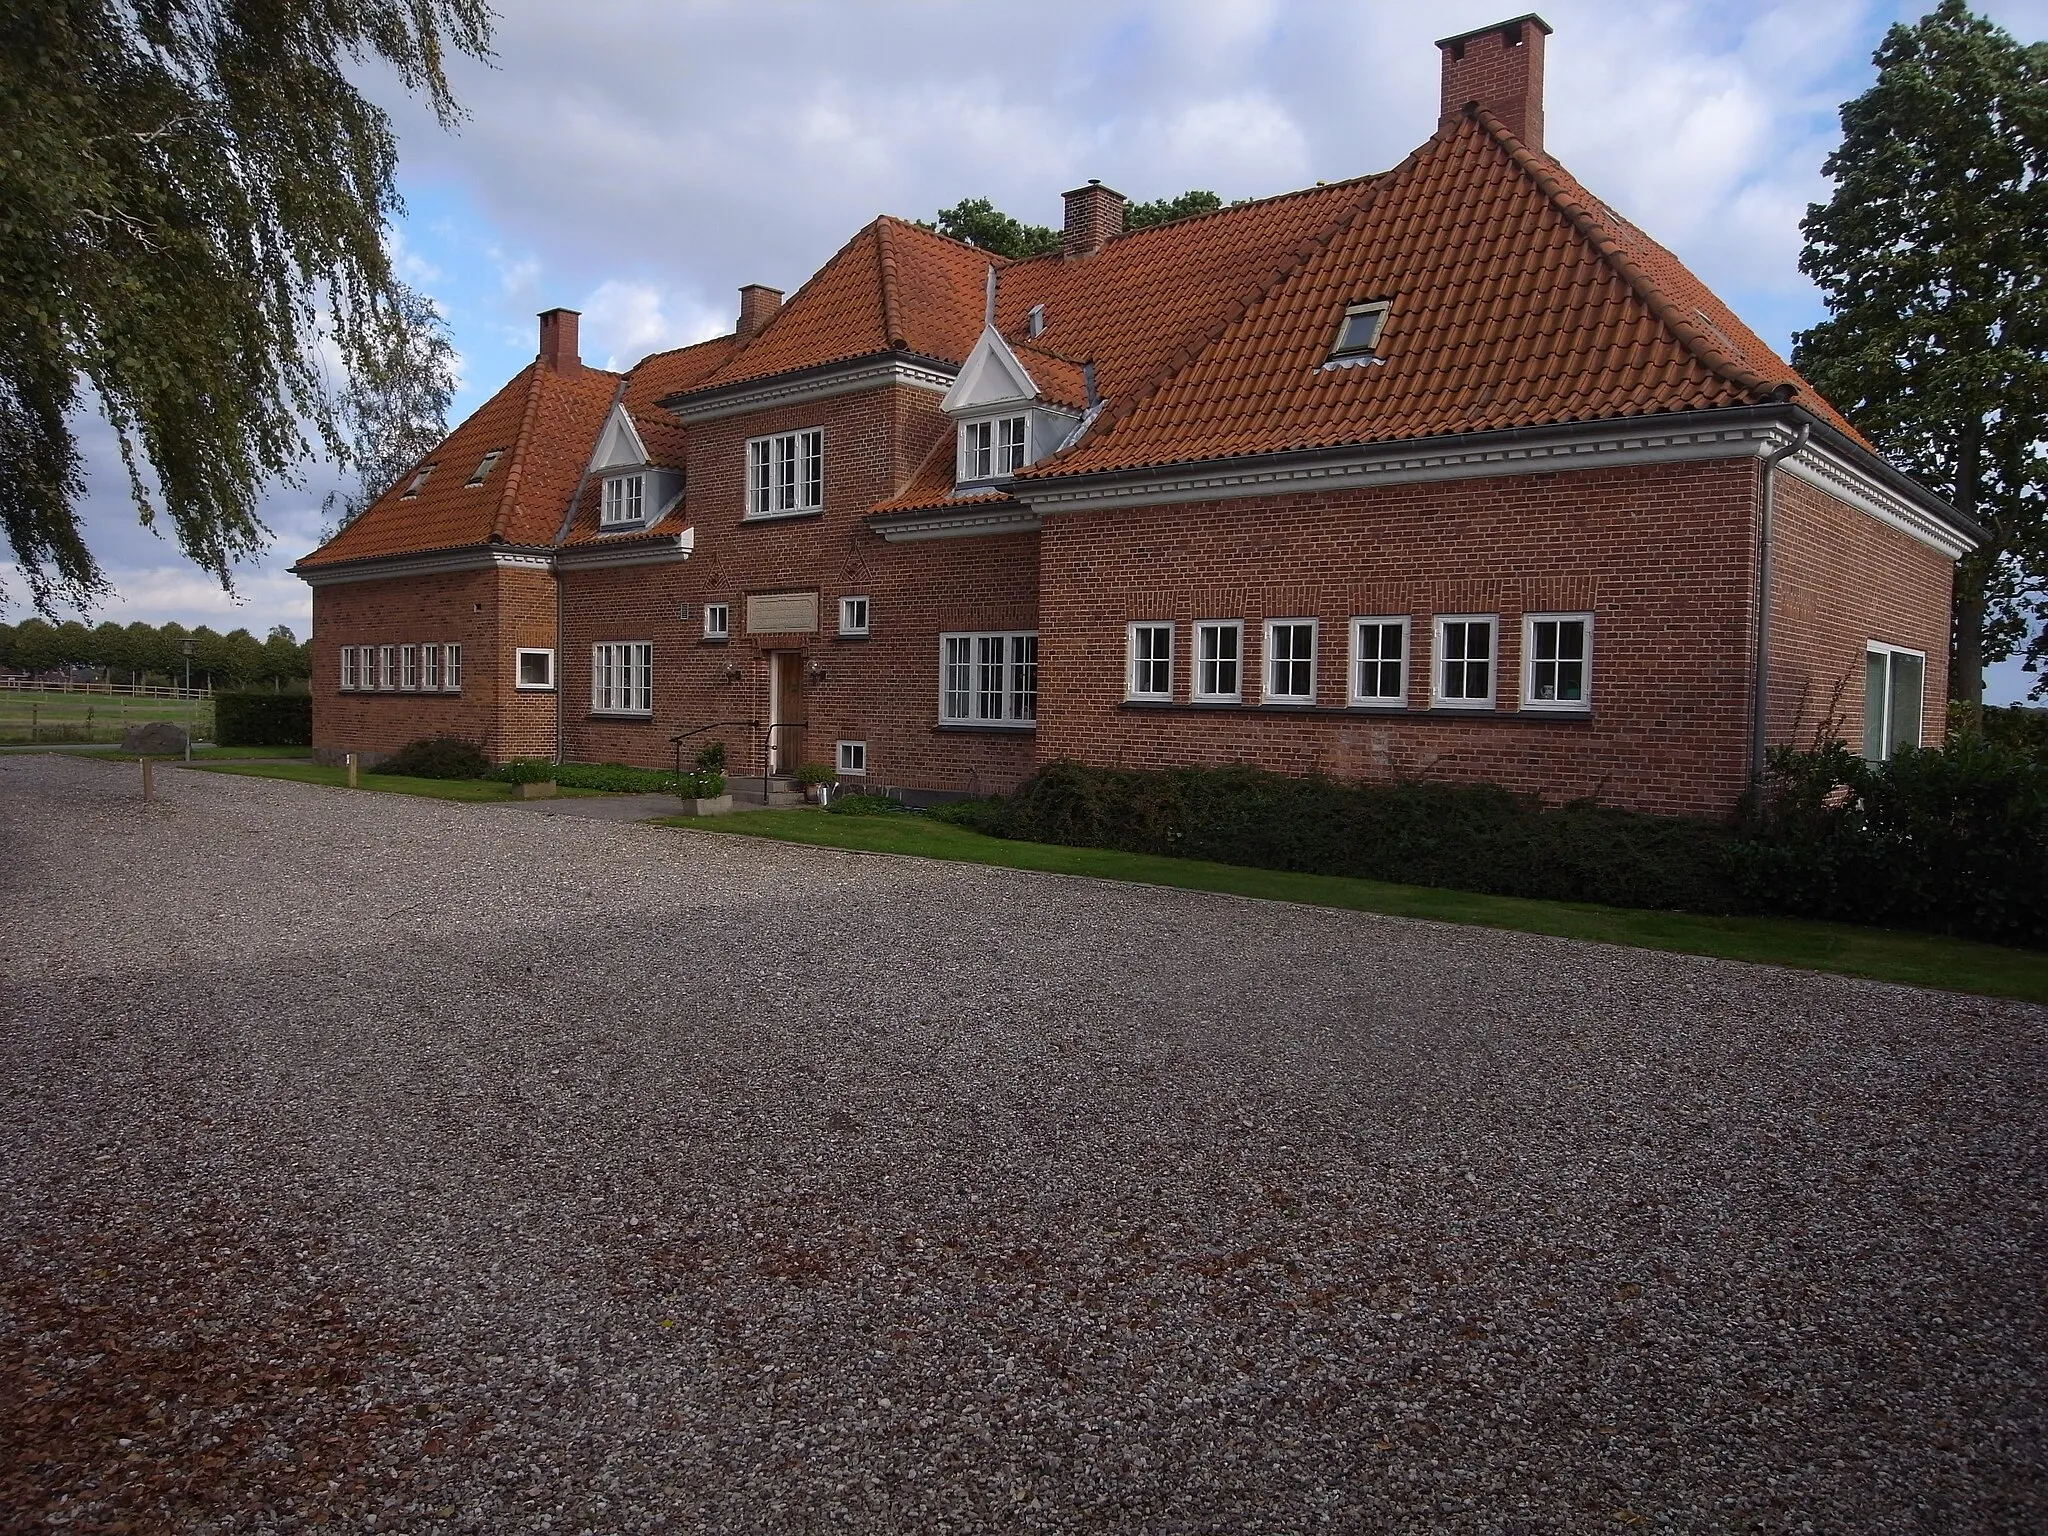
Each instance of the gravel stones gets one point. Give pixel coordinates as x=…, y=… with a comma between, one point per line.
x=403, y=1165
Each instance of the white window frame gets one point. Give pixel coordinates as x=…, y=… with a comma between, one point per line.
x=1136, y=666
x=625, y=504
x=1887, y=726
x=1202, y=694
x=387, y=668
x=717, y=621
x=1530, y=664
x=1356, y=696
x=519, y=682
x=349, y=674
x=994, y=448
x=430, y=669
x=853, y=615
x=786, y=474
x=409, y=668
x=853, y=759
x=451, y=668
x=985, y=684
x=1437, y=697
x=1267, y=658
x=622, y=678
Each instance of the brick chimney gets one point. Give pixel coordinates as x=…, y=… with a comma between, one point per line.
x=758, y=304
x=1501, y=68
x=1094, y=215
x=558, y=340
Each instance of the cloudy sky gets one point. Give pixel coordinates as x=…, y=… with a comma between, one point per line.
x=640, y=159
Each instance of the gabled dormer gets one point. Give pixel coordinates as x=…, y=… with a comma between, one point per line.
x=1004, y=419
x=634, y=493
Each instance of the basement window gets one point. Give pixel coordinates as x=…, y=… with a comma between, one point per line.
x=1359, y=335
x=484, y=467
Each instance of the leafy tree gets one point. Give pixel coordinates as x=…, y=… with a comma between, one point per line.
x=396, y=405
x=36, y=646
x=110, y=648
x=193, y=197
x=1932, y=256
x=979, y=222
x=145, y=650
x=1165, y=209
x=284, y=659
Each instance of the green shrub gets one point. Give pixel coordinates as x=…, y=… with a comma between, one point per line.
x=439, y=757
x=2024, y=731
x=991, y=818
x=811, y=775
x=704, y=784
x=263, y=719
x=867, y=805
x=613, y=778
x=524, y=770
x=711, y=759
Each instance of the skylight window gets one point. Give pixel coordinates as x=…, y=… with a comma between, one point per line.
x=418, y=481
x=484, y=467
x=1360, y=333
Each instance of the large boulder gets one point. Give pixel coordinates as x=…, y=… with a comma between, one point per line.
x=157, y=738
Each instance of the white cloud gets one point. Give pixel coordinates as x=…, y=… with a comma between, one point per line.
x=624, y=321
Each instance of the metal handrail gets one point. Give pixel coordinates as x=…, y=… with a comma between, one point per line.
x=768, y=750
x=767, y=744
x=719, y=725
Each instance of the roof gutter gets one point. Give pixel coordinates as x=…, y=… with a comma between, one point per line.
x=1760, y=684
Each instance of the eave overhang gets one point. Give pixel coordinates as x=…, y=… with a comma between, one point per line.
x=844, y=377
x=432, y=562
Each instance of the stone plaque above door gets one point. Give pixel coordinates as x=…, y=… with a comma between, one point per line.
x=782, y=613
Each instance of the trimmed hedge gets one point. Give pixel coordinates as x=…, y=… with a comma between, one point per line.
x=437, y=757
x=263, y=719
x=1472, y=837
x=614, y=778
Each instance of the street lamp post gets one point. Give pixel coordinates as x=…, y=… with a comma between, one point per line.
x=191, y=715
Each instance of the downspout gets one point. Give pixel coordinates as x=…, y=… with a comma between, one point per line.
x=555, y=565
x=1760, y=686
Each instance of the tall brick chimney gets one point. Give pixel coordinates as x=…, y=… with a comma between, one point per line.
x=758, y=303
x=1501, y=68
x=558, y=340
x=1094, y=215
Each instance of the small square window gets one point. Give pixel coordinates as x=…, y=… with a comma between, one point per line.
x=1359, y=335
x=1219, y=648
x=853, y=615
x=1464, y=661
x=536, y=669
x=1148, y=671
x=1290, y=661
x=484, y=467
x=853, y=758
x=1379, y=661
x=1557, y=661
x=717, y=621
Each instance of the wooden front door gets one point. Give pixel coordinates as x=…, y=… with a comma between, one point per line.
x=785, y=711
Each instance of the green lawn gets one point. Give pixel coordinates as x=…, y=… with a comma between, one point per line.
x=388, y=783
x=1917, y=959
x=70, y=717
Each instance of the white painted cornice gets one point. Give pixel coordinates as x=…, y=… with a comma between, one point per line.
x=431, y=563
x=813, y=384
x=973, y=521
x=991, y=377
x=641, y=551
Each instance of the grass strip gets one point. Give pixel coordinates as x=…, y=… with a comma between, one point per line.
x=208, y=754
x=386, y=783
x=1881, y=954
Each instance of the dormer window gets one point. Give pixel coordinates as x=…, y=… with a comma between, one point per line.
x=418, y=481
x=993, y=450
x=484, y=467
x=1360, y=334
x=624, y=500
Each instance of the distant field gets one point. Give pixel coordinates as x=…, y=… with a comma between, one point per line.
x=60, y=717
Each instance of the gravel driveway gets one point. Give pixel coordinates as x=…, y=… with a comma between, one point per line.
x=377, y=1163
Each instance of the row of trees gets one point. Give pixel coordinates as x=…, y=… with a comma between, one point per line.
x=155, y=653
x=980, y=222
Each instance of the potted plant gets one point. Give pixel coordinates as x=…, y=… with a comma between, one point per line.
x=703, y=793
x=814, y=777
x=531, y=778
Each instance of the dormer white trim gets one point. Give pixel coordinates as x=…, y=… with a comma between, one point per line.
x=991, y=377
x=618, y=445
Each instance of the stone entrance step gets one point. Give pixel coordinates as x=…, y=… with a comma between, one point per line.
x=782, y=793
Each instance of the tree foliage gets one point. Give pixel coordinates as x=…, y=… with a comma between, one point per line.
x=193, y=198
x=395, y=407
x=980, y=222
x=1932, y=256
x=1166, y=209
x=138, y=652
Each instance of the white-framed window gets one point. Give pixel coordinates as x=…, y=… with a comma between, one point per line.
x=1359, y=335
x=409, y=668
x=853, y=758
x=351, y=677
x=1464, y=660
x=1379, y=661
x=1219, y=654
x=988, y=679
x=387, y=666
x=1894, y=694
x=451, y=672
x=621, y=678
x=853, y=615
x=1290, y=661
x=623, y=499
x=534, y=668
x=1557, y=661
x=717, y=621
x=1148, y=664
x=430, y=668
x=992, y=450
x=786, y=473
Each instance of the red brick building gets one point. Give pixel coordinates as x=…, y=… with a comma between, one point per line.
x=1445, y=470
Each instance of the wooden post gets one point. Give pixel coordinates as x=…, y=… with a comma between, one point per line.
x=148, y=780
x=351, y=770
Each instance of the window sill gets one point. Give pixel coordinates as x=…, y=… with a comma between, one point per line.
x=995, y=727
x=1362, y=711
x=861, y=637
x=716, y=640
x=533, y=687
x=398, y=693
x=781, y=517
x=639, y=526
x=624, y=717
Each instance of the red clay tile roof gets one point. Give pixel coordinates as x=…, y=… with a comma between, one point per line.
x=1516, y=301
x=543, y=422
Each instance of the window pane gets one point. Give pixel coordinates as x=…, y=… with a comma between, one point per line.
x=990, y=684
x=1908, y=681
x=1876, y=695
x=954, y=703
x=814, y=469
x=1024, y=677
